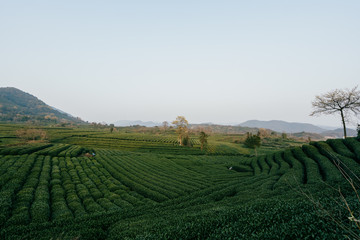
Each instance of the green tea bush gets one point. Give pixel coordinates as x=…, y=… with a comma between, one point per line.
x=311, y=168
x=255, y=166
x=265, y=168
x=12, y=186
x=147, y=192
x=60, y=210
x=349, y=165
x=274, y=167
x=34, y=149
x=91, y=206
x=107, y=204
x=354, y=146
x=9, y=168
x=40, y=211
x=77, y=208
x=327, y=168
x=21, y=217
x=298, y=174
x=82, y=191
x=340, y=148
x=5, y=205
x=133, y=195
x=57, y=192
x=25, y=196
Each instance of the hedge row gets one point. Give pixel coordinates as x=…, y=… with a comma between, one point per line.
x=59, y=207
x=18, y=173
x=313, y=173
x=25, y=197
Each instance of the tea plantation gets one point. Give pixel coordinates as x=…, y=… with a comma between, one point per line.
x=85, y=184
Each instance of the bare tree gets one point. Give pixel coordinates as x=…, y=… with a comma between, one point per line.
x=346, y=102
x=181, y=128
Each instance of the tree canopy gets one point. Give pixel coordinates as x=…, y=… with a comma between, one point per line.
x=181, y=128
x=253, y=141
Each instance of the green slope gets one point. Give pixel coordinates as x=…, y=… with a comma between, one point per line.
x=19, y=106
x=54, y=191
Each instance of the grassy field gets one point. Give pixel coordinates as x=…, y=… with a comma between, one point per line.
x=84, y=183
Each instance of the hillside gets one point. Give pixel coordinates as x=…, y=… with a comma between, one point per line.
x=141, y=186
x=19, y=106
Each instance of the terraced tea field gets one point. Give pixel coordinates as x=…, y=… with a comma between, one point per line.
x=60, y=190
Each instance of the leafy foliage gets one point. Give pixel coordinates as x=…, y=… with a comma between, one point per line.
x=253, y=141
x=182, y=130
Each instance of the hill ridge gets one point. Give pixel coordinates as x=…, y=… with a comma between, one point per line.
x=19, y=106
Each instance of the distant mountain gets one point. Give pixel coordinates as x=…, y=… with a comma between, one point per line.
x=327, y=127
x=339, y=133
x=291, y=127
x=126, y=123
x=222, y=129
x=282, y=126
x=307, y=135
x=19, y=106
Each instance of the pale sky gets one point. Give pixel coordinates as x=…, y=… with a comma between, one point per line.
x=211, y=61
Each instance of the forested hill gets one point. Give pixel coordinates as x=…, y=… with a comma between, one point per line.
x=19, y=106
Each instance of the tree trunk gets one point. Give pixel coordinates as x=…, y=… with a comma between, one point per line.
x=343, y=122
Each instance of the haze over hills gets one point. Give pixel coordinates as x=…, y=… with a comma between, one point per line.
x=126, y=123
x=338, y=133
x=282, y=126
x=295, y=127
x=19, y=106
